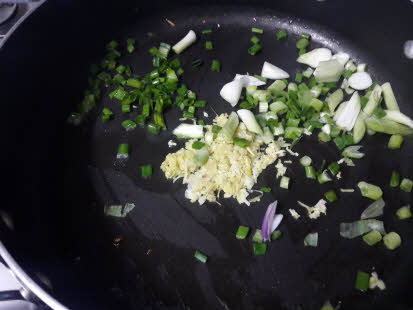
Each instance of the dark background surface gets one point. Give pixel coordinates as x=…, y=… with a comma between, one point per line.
x=51, y=170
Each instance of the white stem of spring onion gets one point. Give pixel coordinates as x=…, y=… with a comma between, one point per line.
x=399, y=118
x=188, y=40
x=314, y=57
x=248, y=118
x=188, y=131
x=272, y=72
x=231, y=92
x=328, y=71
x=360, y=81
x=347, y=118
x=326, y=128
x=389, y=98
x=341, y=57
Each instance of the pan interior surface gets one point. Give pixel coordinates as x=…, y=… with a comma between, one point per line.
x=160, y=236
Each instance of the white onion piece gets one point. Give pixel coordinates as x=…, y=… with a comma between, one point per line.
x=248, y=118
x=249, y=80
x=189, y=39
x=341, y=57
x=272, y=72
x=360, y=80
x=399, y=117
x=314, y=57
x=328, y=71
x=348, y=116
x=408, y=49
x=232, y=91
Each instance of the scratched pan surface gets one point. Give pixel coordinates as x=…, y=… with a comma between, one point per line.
x=153, y=267
x=289, y=276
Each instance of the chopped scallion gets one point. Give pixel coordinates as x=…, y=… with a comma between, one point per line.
x=201, y=257
x=215, y=66
x=257, y=30
x=257, y=237
x=197, y=145
x=406, y=185
x=253, y=50
x=208, y=45
x=372, y=237
x=395, y=142
x=370, y=191
x=334, y=168
x=275, y=235
x=207, y=31
x=404, y=213
x=310, y=172
x=284, y=183
x=362, y=281
x=323, y=177
x=260, y=248
x=241, y=142
x=242, y=232
x=392, y=240
x=255, y=40
x=265, y=189
x=123, y=150
x=331, y=196
x=395, y=179
x=146, y=171
x=305, y=161
x=128, y=124
x=281, y=34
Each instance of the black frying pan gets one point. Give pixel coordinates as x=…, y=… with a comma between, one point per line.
x=58, y=177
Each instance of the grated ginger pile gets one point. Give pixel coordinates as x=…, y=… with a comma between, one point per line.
x=230, y=169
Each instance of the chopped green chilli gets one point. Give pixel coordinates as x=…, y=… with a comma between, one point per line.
x=201, y=257
x=242, y=232
x=146, y=171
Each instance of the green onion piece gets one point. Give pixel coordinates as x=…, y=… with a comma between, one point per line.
x=265, y=189
x=327, y=306
x=323, y=137
x=310, y=172
x=207, y=31
x=362, y=281
x=179, y=72
x=106, y=111
x=292, y=122
x=275, y=235
x=404, y=213
x=372, y=237
x=392, y=240
x=119, y=93
x=216, y=129
x=201, y=257
x=197, y=145
x=201, y=122
x=331, y=196
x=395, y=179
x=123, y=150
x=241, y=142
x=253, y=50
x=284, y=182
x=134, y=83
x=370, y=191
x=188, y=114
x=130, y=45
x=105, y=118
x=358, y=228
x=200, y=104
x=293, y=133
x=302, y=51
x=208, y=45
x=281, y=34
x=242, y=232
x=306, y=36
x=259, y=248
x=308, y=72
x=334, y=168
x=353, y=151
x=323, y=177
x=196, y=63
x=389, y=98
x=311, y=240
x=298, y=77
x=230, y=126
x=406, y=185
x=374, y=210
x=334, y=99
x=201, y=156
x=125, y=108
x=146, y=170
x=257, y=237
x=395, y=142
x=255, y=40
x=153, y=129
x=347, y=74
x=140, y=119
x=261, y=78
x=215, y=66
x=128, y=124
x=257, y=30
x=305, y=161
x=302, y=43
x=120, y=69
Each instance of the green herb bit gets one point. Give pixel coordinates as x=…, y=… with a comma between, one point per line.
x=265, y=189
x=395, y=179
x=146, y=171
x=257, y=30
x=215, y=66
x=275, y=235
x=392, y=240
x=372, y=237
x=404, y=213
x=201, y=257
x=362, y=281
x=259, y=248
x=242, y=232
x=207, y=31
x=331, y=196
x=208, y=45
x=282, y=34
x=197, y=145
x=406, y=185
x=257, y=237
x=241, y=142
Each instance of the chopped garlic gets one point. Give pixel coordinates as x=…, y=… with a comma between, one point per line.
x=171, y=143
x=294, y=214
x=281, y=169
x=315, y=212
x=291, y=152
x=206, y=114
x=376, y=282
x=338, y=176
x=288, y=162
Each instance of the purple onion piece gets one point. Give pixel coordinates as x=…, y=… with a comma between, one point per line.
x=277, y=220
x=268, y=221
